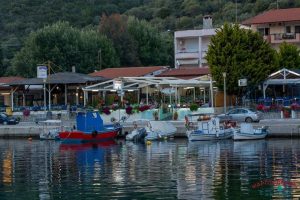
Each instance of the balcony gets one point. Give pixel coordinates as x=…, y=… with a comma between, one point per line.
x=283, y=37
x=187, y=53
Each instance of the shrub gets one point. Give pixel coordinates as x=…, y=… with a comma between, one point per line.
x=175, y=116
x=144, y=108
x=128, y=110
x=106, y=110
x=295, y=106
x=194, y=107
x=260, y=107
x=155, y=115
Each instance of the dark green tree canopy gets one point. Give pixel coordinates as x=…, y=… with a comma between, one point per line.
x=241, y=54
x=289, y=56
x=65, y=46
x=137, y=42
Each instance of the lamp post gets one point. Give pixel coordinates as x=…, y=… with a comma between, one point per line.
x=224, y=78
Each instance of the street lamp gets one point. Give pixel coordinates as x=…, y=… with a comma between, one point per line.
x=224, y=78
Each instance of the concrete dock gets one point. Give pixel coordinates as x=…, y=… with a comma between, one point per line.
x=277, y=128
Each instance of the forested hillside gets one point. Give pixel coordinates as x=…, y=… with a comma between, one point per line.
x=20, y=17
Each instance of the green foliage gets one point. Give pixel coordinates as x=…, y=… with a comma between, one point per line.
x=19, y=18
x=153, y=48
x=65, y=46
x=289, y=56
x=241, y=54
x=194, y=107
x=137, y=42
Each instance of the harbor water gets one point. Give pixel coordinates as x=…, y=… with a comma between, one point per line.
x=174, y=169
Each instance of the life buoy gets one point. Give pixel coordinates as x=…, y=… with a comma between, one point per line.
x=94, y=134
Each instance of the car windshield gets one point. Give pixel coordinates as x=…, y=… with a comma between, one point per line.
x=252, y=110
x=3, y=115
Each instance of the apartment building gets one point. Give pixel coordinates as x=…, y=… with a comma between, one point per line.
x=278, y=26
x=191, y=45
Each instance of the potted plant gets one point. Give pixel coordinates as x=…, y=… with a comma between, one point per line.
x=106, y=110
x=286, y=112
x=194, y=107
x=155, y=115
x=175, y=115
x=129, y=110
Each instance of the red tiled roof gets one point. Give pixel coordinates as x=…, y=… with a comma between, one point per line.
x=127, y=71
x=9, y=79
x=185, y=72
x=279, y=15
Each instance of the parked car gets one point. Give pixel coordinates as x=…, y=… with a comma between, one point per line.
x=5, y=119
x=243, y=115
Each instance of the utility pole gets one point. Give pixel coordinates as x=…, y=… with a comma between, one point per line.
x=49, y=89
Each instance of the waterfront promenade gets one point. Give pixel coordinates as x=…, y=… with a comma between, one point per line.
x=277, y=127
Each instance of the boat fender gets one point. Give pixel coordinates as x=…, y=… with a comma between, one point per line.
x=134, y=125
x=94, y=133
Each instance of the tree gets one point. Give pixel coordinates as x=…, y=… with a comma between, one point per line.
x=2, y=69
x=115, y=28
x=153, y=47
x=65, y=46
x=241, y=54
x=289, y=56
x=137, y=42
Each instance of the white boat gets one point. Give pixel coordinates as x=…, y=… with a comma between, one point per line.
x=138, y=133
x=159, y=130
x=209, y=130
x=247, y=132
x=50, y=130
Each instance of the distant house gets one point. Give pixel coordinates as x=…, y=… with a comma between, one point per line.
x=112, y=73
x=278, y=26
x=191, y=45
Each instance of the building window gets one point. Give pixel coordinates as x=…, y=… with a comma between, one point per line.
x=267, y=31
x=263, y=31
x=297, y=29
x=287, y=29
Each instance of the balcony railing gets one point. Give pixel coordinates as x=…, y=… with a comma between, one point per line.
x=186, y=50
x=283, y=37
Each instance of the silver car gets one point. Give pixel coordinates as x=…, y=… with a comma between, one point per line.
x=243, y=115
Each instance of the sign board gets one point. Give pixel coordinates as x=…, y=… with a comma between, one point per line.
x=242, y=82
x=118, y=85
x=42, y=72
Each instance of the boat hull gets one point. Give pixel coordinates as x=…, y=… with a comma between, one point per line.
x=204, y=137
x=81, y=137
x=246, y=136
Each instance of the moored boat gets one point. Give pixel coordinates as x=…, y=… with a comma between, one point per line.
x=90, y=128
x=247, y=132
x=50, y=130
x=157, y=130
x=137, y=134
x=209, y=130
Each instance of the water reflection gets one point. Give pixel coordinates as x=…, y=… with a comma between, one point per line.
x=179, y=169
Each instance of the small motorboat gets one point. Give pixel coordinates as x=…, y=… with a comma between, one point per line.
x=208, y=130
x=157, y=130
x=50, y=130
x=90, y=128
x=247, y=132
x=138, y=133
